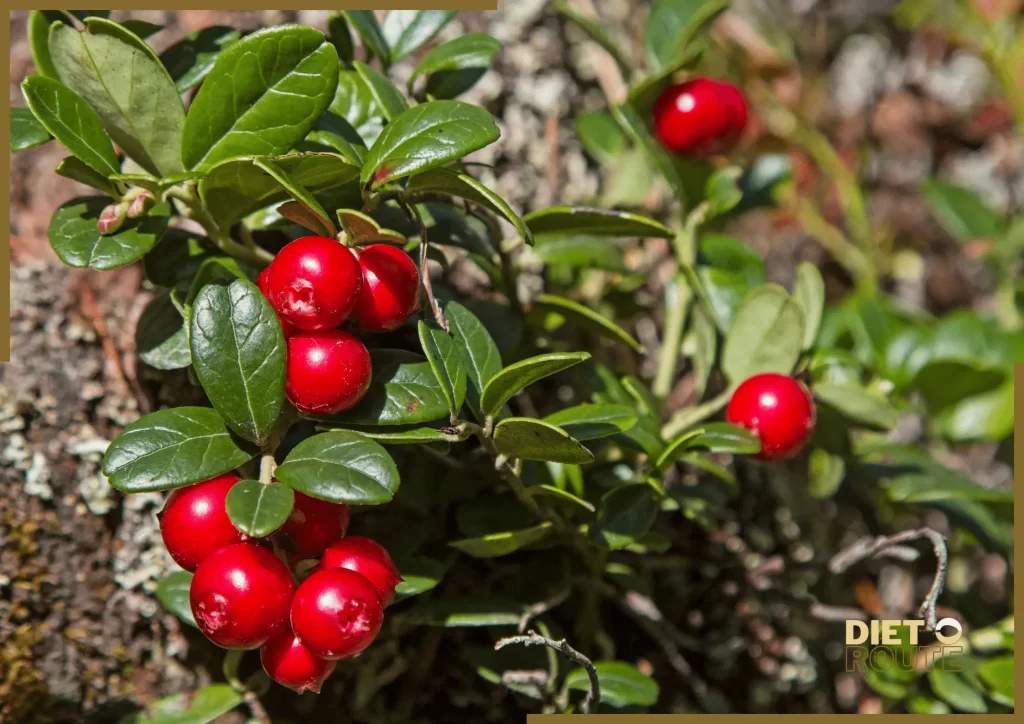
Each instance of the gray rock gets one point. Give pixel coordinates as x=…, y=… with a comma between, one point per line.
x=858, y=73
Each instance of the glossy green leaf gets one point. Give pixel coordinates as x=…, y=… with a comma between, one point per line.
x=988, y=416
x=466, y=52
x=406, y=30
x=600, y=135
x=587, y=318
x=625, y=514
x=591, y=221
x=924, y=487
x=262, y=96
x=258, y=509
x=419, y=575
x=580, y=252
x=127, y=85
x=961, y=212
x=724, y=292
x=723, y=437
x=161, y=336
x=354, y=102
x=622, y=685
x=945, y=382
x=494, y=545
x=956, y=691
x=171, y=448
x=592, y=421
x=399, y=435
x=26, y=130
x=336, y=133
x=482, y=358
x=673, y=24
x=38, y=31
x=365, y=23
x=341, y=466
x=500, y=388
x=456, y=612
x=549, y=491
x=69, y=119
x=310, y=208
x=238, y=353
x=403, y=391
x=447, y=361
x=221, y=270
x=172, y=591
x=858, y=405
x=825, y=473
x=340, y=35
x=75, y=239
x=426, y=136
x=76, y=170
x=998, y=675
x=766, y=336
x=675, y=449
x=596, y=32
x=810, y=295
x=529, y=439
x=387, y=97
x=191, y=58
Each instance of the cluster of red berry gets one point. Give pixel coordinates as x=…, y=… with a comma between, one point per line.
x=776, y=408
x=700, y=117
x=243, y=596
x=315, y=284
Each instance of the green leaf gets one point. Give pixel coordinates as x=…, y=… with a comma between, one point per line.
x=825, y=473
x=429, y=135
x=318, y=220
x=354, y=102
x=71, y=121
x=601, y=136
x=675, y=449
x=406, y=30
x=596, y=32
x=673, y=24
x=387, y=97
x=704, y=347
x=340, y=35
x=38, y=31
x=482, y=358
x=161, y=336
x=76, y=170
x=810, y=295
x=127, y=85
x=141, y=28
x=26, y=130
x=238, y=352
x=221, y=270
x=592, y=421
x=365, y=23
x=945, y=382
x=341, y=466
x=172, y=592
x=626, y=513
x=925, y=487
x=622, y=684
x=258, y=509
x=550, y=491
x=646, y=91
x=580, y=252
x=403, y=391
x=397, y=435
x=529, y=439
x=766, y=336
x=961, y=213
x=472, y=51
x=998, y=675
x=171, y=448
x=262, y=96
x=921, y=704
x=447, y=362
x=75, y=239
x=956, y=691
x=456, y=611
x=723, y=437
x=988, y=416
x=858, y=405
x=724, y=292
x=500, y=388
x=595, y=222
x=494, y=545
x=721, y=191
x=191, y=58
x=636, y=129
x=587, y=318
x=207, y=705
x=730, y=254
x=449, y=181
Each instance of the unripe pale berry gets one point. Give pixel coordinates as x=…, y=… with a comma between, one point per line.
x=390, y=291
x=314, y=282
x=369, y=559
x=776, y=408
x=194, y=522
x=313, y=525
x=336, y=613
x=699, y=116
x=241, y=596
x=327, y=371
x=288, y=662
x=261, y=282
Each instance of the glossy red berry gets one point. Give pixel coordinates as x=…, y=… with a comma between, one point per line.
x=313, y=525
x=241, y=596
x=336, y=613
x=261, y=282
x=699, y=116
x=369, y=559
x=288, y=662
x=776, y=408
x=390, y=291
x=313, y=283
x=194, y=522
x=327, y=372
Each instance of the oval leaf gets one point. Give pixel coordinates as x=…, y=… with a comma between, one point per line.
x=447, y=362
x=501, y=544
x=626, y=514
x=161, y=336
x=306, y=207
x=76, y=241
x=76, y=170
x=858, y=404
x=529, y=439
x=605, y=222
x=388, y=98
x=191, y=58
x=587, y=318
x=173, y=593
x=483, y=360
x=622, y=684
x=341, y=466
x=472, y=50
x=825, y=473
x=515, y=377
x=365, y=23
x=26, y=130
x=673, y=24
x=406, y=30
x=38, y=31
x=723, y=437
x=810, y=295
x=766, y=336
x=403, y=391
x=413, y=435
x=257, y=509
x=171, y=448
x=592, y=421
x=961, y=212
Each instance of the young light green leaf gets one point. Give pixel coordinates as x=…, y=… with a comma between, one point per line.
x=529, y=439
x=459, y=611
x=810, y=295
x=341, y=466
x=406, y=30
x=592, y=421
x=387, y=97
x=997, y=673
x=926, y=487
x=38, y=31
x=721, y=191
x=601, y=136
x=494, y=545
x=587, y=318
x=956, y=690
x=596, y=32
x=766, y=336
x=207, y=705
x=675, y=449
x=961, y=212
x=626, y=513
x=550, y=491
x=580, y=252
x=500, y=388
x=71, y=121
x=447, y=361
x=858, y=404
x=336, y=132
x=191, y=58
x=403, y=391
x=26, y=130
x=262, y=96
x=354, y=102
x=482, y=358
x=172, y=591
x=238, y=352
x=161, y=336
x=75, y=239
x=472, y=51
x=171, y=448
x=825, y=473
x=127, y=85
x=704, y=346
x=258, y=509
x=630, y=120
x=622, y=684
x=365, y=23
x=673, y=24
x=567, y=220
x=426, y=136
x=74, y=169
x=312, y=208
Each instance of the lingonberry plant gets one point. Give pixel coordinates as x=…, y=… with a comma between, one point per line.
x=508, y=459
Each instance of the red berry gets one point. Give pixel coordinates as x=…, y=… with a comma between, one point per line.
x=776, y=408
x=367, y=558
x=390, y=291
x=194, y=522
x=241, y=595
x=737, y=107
x=313, y=525
x=291, y=664
x=336, y=613
x=328, y=371
x=314, y=282
x=261, y=282
x=699, y=116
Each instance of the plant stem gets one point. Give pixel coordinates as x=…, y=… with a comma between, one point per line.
x=593, y=697
x=191, y=206
x=507, y=472
x=428, y=289
x=692, y=415
x=678, y=295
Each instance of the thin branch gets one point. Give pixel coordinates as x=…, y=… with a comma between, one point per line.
x=428, y=289
x=532, y=638
x=542, y=607
x=871, y=547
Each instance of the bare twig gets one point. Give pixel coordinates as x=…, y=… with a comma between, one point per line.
x=542, y=607
x=428, y=289
x=532, y=638
x=870, y=547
